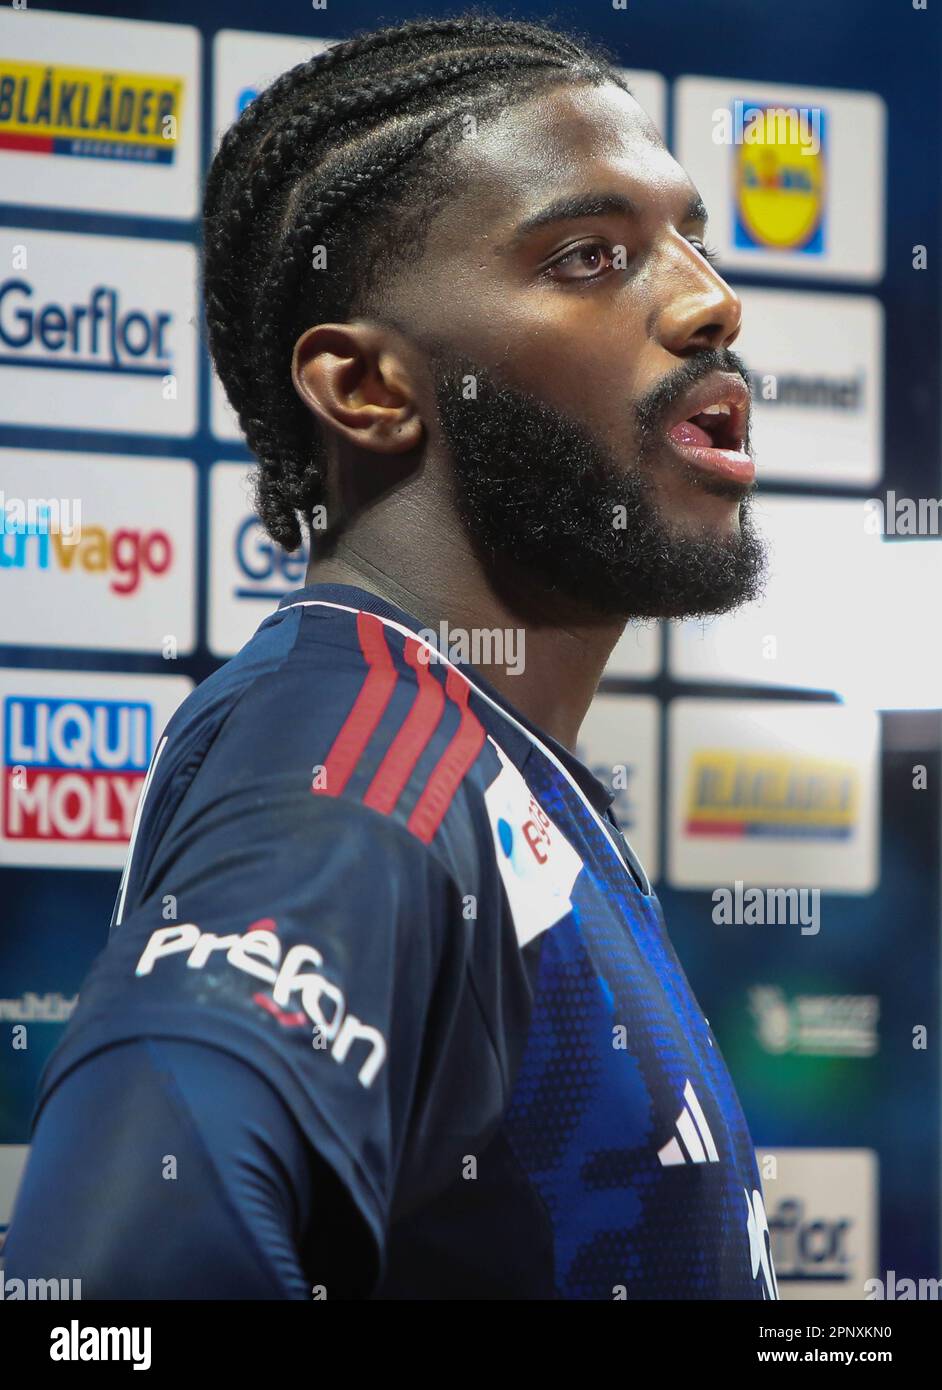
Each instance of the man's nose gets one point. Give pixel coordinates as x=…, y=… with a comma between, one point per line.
x=705, y=312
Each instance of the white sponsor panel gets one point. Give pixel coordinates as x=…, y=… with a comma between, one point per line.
x=822, y=1213
x=649, y=90
x=98, y=332
x=620, y=743
x=248, y=573
x=794, y=177
x=538, y=866
x=637, y=652
x=814, y=626
x=12, y=1163
x=773, y=793
x=112, y=566
x=75, y=752
x=99, y=114
x=816, y=367
x=907, y=674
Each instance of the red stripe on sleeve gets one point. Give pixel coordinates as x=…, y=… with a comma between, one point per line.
x=464, y=747
x=368, y=708
x=412, y=739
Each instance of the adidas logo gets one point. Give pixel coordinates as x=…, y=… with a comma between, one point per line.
x=694, y=1133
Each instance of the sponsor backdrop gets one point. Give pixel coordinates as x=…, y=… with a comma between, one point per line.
x=777, y=771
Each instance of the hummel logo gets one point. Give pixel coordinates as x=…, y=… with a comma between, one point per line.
x=695, y=1133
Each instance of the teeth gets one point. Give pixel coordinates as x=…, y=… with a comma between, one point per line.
x=723, y=409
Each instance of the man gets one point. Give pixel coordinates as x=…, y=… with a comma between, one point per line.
x=388, y=1008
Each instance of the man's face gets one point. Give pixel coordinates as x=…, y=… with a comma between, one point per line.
x=584, y=464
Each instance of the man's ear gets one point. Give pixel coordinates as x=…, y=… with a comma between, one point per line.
x=352, y=378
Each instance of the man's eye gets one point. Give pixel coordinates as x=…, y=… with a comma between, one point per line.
x=704, y=250
x=587, y=262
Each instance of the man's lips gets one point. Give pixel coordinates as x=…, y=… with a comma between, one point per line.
x=708, y=427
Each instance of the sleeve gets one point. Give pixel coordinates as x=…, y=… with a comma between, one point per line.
x=321, y=945
x=164, y=1169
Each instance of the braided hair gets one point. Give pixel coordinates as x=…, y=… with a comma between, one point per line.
x=324, y=164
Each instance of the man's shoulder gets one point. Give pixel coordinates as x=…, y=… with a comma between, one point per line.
x=339, y=705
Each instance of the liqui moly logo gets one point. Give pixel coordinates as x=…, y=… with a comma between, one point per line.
x=73, y=768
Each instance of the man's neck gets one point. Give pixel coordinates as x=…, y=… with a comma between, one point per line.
x=549, y=673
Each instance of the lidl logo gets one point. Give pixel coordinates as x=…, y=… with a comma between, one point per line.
x=73, y=768
x=89, y=112
x=736, y=793
x=779, y=179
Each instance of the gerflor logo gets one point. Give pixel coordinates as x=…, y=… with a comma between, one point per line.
x=264, y=570
x=295, y=986
x=101, y=333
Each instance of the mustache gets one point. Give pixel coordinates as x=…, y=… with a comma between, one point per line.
x=652, y=409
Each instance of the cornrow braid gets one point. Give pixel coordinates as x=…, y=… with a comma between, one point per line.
x=465, y=28
x=328, y=156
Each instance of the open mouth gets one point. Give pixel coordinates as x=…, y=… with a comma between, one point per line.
x=712, y=428
x=712, y=433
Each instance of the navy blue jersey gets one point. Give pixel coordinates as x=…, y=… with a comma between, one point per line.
x=357, y=870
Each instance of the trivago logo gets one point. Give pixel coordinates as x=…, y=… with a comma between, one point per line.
x=779, y=184
x=89, y=112
x=733, y=792
x=122, y=557
x=73, y=769
x=101, y=335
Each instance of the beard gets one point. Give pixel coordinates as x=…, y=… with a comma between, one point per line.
x=562, y=529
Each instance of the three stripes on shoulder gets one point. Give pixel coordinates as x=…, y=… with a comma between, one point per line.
x=694, y=1134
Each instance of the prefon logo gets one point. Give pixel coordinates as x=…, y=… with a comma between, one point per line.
x=258, y=952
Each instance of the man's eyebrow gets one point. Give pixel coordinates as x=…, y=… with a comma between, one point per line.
x=575, y=205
